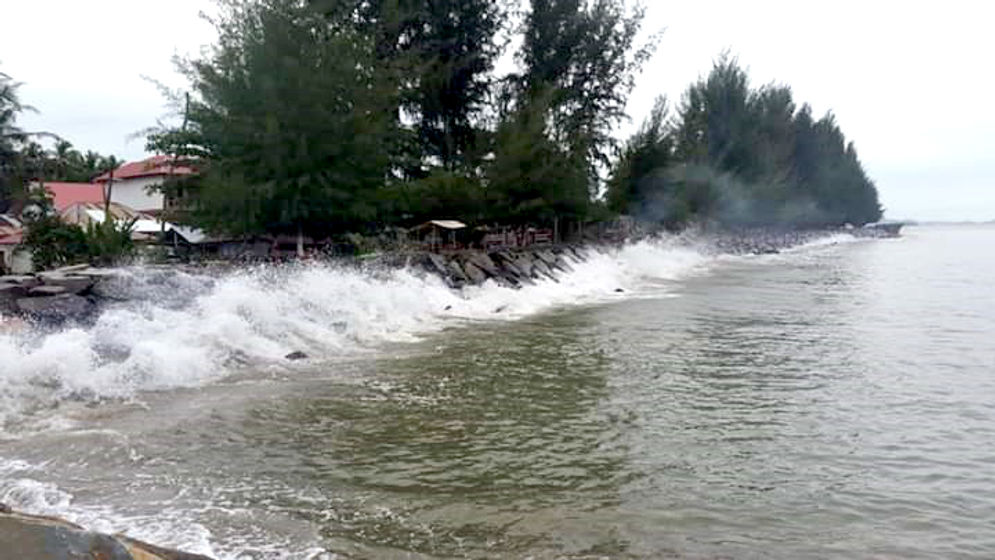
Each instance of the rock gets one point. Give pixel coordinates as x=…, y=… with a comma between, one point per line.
x=526, y=265
x=475, y=274
x=46, y=290
x=17, y=279
x=457, y=272
x=141, y=550
x=563, y=265
x=540, y=267
x=483, y=262
x=436, y=262
x=619, y=291
x=36, y=537
x=9, y=294
x=510, y=269
x=72, y=284
x=71, y=268
x=96, y=273
x=296, y=355
x=56, y=309
x=115, y=288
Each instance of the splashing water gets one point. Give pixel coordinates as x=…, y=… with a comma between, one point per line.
x=179, y=329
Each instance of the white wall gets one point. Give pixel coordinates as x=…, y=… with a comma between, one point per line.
x=132, y=193
x=16, y=259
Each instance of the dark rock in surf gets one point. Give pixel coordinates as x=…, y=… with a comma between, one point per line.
x=9, y=294
x=297, y=355
x=57, y=309
x=42, y=291
x=456, y=271
x=36, y=537
x=474, y=273
x=71, y=284
x=484, y=262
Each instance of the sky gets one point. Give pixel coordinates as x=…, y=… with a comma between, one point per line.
x=910, y=83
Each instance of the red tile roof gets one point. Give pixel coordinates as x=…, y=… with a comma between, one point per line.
x=12, y=238
x=67, y=194
x=151, y=167
x=11, y=232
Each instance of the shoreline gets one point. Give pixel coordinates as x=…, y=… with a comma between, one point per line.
x=76, y=294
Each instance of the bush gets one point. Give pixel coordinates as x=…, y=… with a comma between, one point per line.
x=110, y=241
x=54, y=243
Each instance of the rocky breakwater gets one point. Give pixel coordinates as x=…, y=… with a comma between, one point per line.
x=36, y=537
x=510, y=267
x=52, y=297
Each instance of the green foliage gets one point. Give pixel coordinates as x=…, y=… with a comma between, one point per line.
x=291, y=124
x=11, y=139
x=532, y=178
x=584, y=53
x=23, y=159
x=110, y=241
x=54, y=243
x=650, y=149
x=443, y=194
x=438, y=56
x=742, y=156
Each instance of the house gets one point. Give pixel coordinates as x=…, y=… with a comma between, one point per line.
x=439, y=234
x=144, y=227
x=134, y=183
x=14, y=258
x=64, y=195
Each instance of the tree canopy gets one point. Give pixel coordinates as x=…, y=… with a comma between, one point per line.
x=324, y=116
x=742, y=156
x=24, y=159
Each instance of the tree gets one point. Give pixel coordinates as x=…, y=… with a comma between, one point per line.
x=290, y=123
x=11, y=139
x=531, y=178
x=439, y=55
x=584, y=51
x=635, y=177
x=747, y=156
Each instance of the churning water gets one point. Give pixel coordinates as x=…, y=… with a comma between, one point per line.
x=836, y=400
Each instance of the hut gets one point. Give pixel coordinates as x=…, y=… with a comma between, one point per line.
x=437, y=235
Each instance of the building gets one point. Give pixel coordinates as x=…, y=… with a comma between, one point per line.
x=135, y=183
x=13, y=257
x=64, y=195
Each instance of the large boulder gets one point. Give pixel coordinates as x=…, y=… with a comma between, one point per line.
x=36, y=537
x=476, y=275
x=46, y=290
x=526, y=264
x=456, y=272
x=436, y=263
x=540, y=267
x=484, y=262
x=56, y=309
x=9, y=294
x=72, y=284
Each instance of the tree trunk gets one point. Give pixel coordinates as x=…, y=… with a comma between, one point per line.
x=107, y=195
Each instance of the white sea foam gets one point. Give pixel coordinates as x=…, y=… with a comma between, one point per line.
x=181, y=330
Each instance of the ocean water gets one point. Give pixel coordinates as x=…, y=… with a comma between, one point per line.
x=833, y=401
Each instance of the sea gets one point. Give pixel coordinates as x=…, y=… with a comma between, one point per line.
x=835, y=400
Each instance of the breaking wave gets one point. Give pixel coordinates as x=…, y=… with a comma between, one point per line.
x=181, y=329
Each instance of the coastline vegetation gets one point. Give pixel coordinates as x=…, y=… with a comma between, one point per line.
x=321, y=117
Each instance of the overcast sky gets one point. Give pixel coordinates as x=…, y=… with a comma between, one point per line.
x=911, y=83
